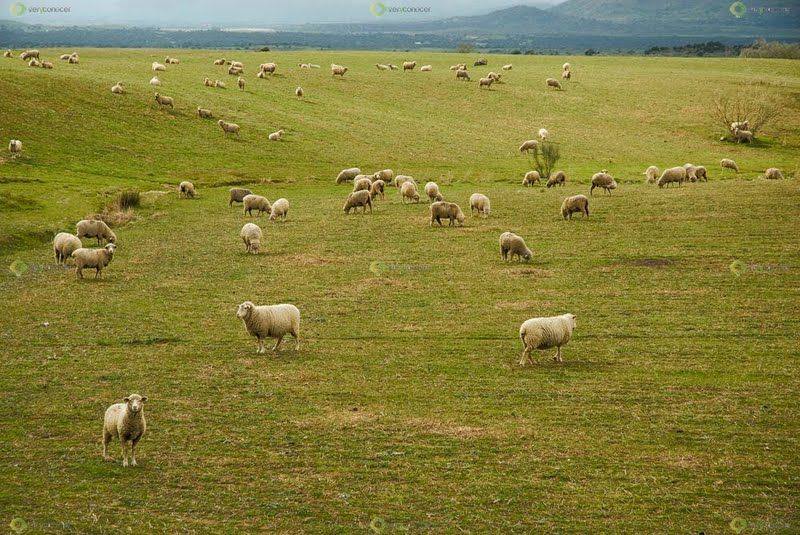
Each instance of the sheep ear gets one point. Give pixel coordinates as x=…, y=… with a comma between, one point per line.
x=127, y=400
x=144, y=398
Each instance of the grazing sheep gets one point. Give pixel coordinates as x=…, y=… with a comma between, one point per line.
x=235, y=71
x=740, y=125
x=355, y=199
x=280, y=209
x=94, y=228
x=298, y=92
x=557, y=179
x=566, y=67
x=743, y=135
x=485, y=82
x=531, y=178
x=8, y=54
x=552, y=82
x=240, y=83
x=155, y=81
x=270, y=321
x=171, y=61
x=447, y=210
x=402, y=179
x=651, y=174
x=125, y=422
x=338, y=70
x=494, y=76
x=117, y=88
x=269, y=68
x=462, y=75
x=238, y=195
x=575, y=204
x=29, y=54
x=347, y=174
x=408, y=190
x=426, y=68
x=381, y=67
x=409, y=65
x=64, y=244
x=34, y=63
x=73, y=59
x=566, y=75
x=385, y=174
x=377, y=188
x=691, y=172
x=671, y=176
x=228, y=128
x=507, y=67
x=546, y=333
x=204, y=113
x=15, y=147
x=529, y=146
x=220, y=61
x=261, y=74
x=251, y=236
x=219, y=84
x=511, y=244
x=362, y=182
x=46, y=65
x=480, y=202
x=479, y=62
x=93, y=258
x=237, y=64
x=432, y=191
x=276, y=136
x=603, y=180
x=727, y=163
x=186, y=189
x=158, y=67
x=164, y=101
x=256, y=202
x=701, y=173
x=773, y=173
x=543, y=134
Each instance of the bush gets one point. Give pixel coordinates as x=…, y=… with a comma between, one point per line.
x=128, y=199
x=775, y=49
x=545, y=157
x=465, y=48
x=755, y=107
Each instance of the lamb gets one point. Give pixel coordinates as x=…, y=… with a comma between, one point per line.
x=240, y=83
x=238, y=195
x=426, y=68
x=228, y=128
x=155, y=81
x=485, y=82
x=543, y=134
x=256, y=202
x=651, y=174
x=386, y=175
x=552, y=82
x=276, y=136
x=773, y=173
x=727, y=163
x=432, y=191
x=298, y=92
x=743, y=135
x=158, y=67
x=511, y=244
x=671, y=176
x=64, y=244
x=557, y=179
x=355, y=199
x=125, y=422
x=377, y=188
x=220, y=61
x=507, y=67
x=575, y=204
x=93, y=258
x=29, y=54
x=251, y=236
x=546, y=333
x=409, y=65
x=270, y=321
x=186, y=189
x=381, y=67
x=204, y=113
x=15, y=147
x=117, y=88
x=280, y=209
x=603, y=180
x=529, y=146
x=531, y=177
x=347, y=174
x=447, y=210
x=480, y=202
x=338, y=70
x=164, y=101
x=362, y=183
x=462, y=75
x=402, y=179
x=408, y=190
x=94, y=228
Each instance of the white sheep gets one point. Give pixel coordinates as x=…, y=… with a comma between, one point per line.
x=362, y=198
x=727, y=163
x=256, y=202
x=64, y=244
x=480, y=203
x=671, y=176
x=204, y=113
x=46, y=65
x=240, y=83
x=186, y=189
x=409, y=65
x=155, y=81
x=447, y=210
x=546, y=333
x=158, y=67
x=575, y=204
x=117, y=89
x=603, y=180
x=511, y=244
x=543, y=134
x=743, y=135
x=552, y=82
x=15, y=147
x=401, y=179
x=8, y=54
x=426, y=68
x=507, y=67
x=531, y=178
x=486, y=82
x=559, y=178
x=338, y=70
x=347, y=174
x=238, y=195
x=29, y=54
x=165, y=101
x=269, y=68
x=385, y=174
x=303, y=65
x=220, y=61
x=298, y=92
x=94, y=228
x=276, y=136
x=773, y=173
x=251, y=236
x=462, y=75
x=93, y=258
x=651, y=174
x=280, y=209
x=432, y=191
x=125, y=422
x=408, y=190
x=566, y=67
x=566, y=75
x=377, y=188
x=219, y=84
x=73, y=58
x=362, y=182
x=529, y=145
x=270, y=321
x=228, y=128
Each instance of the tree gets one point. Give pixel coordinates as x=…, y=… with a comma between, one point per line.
x=545, y=157
x=465, y=48
x=754, y=107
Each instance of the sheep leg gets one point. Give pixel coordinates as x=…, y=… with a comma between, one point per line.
x=296, y=340
x=278, y=343
x=97, y=272
x=261, y=349
x=558, y=358
x=123, y=443
x=106, y=441
x=133, y=451
x=79, y=272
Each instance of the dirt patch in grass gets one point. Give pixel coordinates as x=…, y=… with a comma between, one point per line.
x=524, y=272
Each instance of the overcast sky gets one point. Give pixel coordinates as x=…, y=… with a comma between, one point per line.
x=245, y=13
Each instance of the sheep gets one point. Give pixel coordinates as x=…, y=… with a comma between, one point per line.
x=158, y=67
x=186, y=189
x=125, y=422
x=94, y=228
x=46, y=65
x=566, y=75
x=261, y=75
x=385, y=174
x=355, y=199
x=381, y=67
x=546, y=333
x=409, y=65
x=426, y=68
x=204, y=113
x=529, y=146
x=552, y=82
x=338, y=70
x=251, y=236
x=743, y=135
x=238, y=195
x=507, y=67
x=15, y=147
x=701, y=173
x=303, y=65
x=270, y=321
x=155, y=81
x=671, y=176
x=511, y=244
x=8, y=54
x=237, y=64
x=479, y=62
x=543, y=134
x=603, y=180
x=347, y=174
x=480, y=202
x=280, y=209
x=73, y=59
x=494, y=76
x=773, y=173
x=313, y=65
x=651, y=174
x=29, y=54
x=432, y=191
x=164, y=100
x=691, y=172
x=377, y=188
x=228, y=128
x=727, y=163
x=268, y=68
x=117, y=88
x=402, y=179
x=93, y=258
x=235, y=71
x=220, y=61
x=34, y=63
x=447, y=210
x=171, y=61
x=256, y=202
x=240, y=83
x=408, y=190
x=557, y=179
x=276, y=136
x=64, y=244
x=740, y=125
x=462, y=75
x=298, y=92
x=459, y=67
x=566, y=67
x=485, y=82
x=219, y=84
x=531, y=178
x=575, y=204
x=362, y=183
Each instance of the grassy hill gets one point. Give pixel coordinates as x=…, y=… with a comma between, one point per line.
x=405, y=409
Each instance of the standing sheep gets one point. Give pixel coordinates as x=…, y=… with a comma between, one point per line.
x=511, y=244
x=402, y=179
x=651, y=174
x=480, y=203
x=228, y=128
x=546, y=333
x=155, y=81
x=238, y=195
x=93, y=258
x=377, y=188
x=270, y=321
x=408, y=190
x=276, y=136
x=280, y=209
x=558, y=178
x=701, y=173
x=338, y=70
x=125, y=422
x=117, y=89
x=362, y=182
x=552, y=82
x=727, y=163
x=447, y=210
x=251, y=236
x=671, y=176
x=298, y=92
x=409, y=65
x=362, y=198
x=575, y=204
x=531, y=178
x=381, y=67
x=566, y=75
x=256, y=202
x=485, y=82
x=94, y=228
x=186, y=189
x=204, y=113
x=220, y=61
x=386, y=175
x=64, y=244
x=529, y=145
x=164, y=101
x=773, y=173
x=461, y=74
x=15, y=147
x=543, y=134
x=743, y=135
x=347, y=174
x=432, y=191
x=240, y=83
x=603, y=180
x=29, y=54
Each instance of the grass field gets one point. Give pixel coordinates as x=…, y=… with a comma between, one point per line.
x=676, y=409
